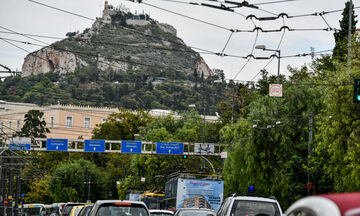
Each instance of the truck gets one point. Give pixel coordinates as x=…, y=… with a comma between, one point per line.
x=188, y=190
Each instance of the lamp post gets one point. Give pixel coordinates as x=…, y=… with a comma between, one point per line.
x=263, y=47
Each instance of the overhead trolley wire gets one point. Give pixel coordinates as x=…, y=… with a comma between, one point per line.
x=195, y=19
x=248, y=60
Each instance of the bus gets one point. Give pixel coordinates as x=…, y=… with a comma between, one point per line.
x=153, y=200
x=188, y=190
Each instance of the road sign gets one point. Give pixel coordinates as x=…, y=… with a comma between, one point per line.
x=204, y=148
x=20, y=143
x=131, y=146
x=6, y=202
x=57, y=144
x=169, y=148
x=223, y=154
x=275, y=90
x=94, y=146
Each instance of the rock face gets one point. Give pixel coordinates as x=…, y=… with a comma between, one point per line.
x=119, y=41
x=48, y=59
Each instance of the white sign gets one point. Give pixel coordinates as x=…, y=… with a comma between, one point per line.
x=275, y=90
x=143, y=179
x=223, y=154
x=204, y=148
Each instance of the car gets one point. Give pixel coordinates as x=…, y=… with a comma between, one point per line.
x=86, y=210
x=119, y=208
x=75, y=210
x=195, y=212
x=341, y=204
x=157, y=212
x=249, y=205
x=68, y=207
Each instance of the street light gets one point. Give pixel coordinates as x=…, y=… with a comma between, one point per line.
x=263, y=47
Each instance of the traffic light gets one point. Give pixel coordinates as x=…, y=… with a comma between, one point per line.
x=185, y=156
x=356, y=96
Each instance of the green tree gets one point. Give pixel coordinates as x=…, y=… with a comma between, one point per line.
x=34, y=125
x=67, y=182
x=340, y=49
x=39, y=191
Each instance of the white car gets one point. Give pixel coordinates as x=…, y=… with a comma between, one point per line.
x=249, y=205
x=156, y=212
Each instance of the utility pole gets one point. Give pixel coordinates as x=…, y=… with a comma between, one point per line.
x=349, y=37
x=309, y=150
x=17, y=195
x=87, y=184
x=10, y=190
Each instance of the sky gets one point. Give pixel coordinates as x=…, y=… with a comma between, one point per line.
x=198, y=26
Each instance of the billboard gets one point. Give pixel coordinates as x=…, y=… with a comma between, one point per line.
x=199, y=193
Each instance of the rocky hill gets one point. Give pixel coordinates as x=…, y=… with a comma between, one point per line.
x=119, y=42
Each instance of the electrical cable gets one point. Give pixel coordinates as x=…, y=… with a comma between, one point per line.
x=248, y=60
x=182, y=15
x=227, y=42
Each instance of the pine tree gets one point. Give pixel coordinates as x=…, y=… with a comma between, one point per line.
x=340, y=49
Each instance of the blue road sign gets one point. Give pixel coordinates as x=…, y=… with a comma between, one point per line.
x=131, y=147
x=169, y=148
x=20, y=143
x=57, y=144
x=20, y=146
x=94, y=146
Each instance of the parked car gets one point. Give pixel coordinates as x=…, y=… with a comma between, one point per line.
x=119, y=208
x=86, y=210
x=195, y=212
x=249, y=205
x=68, y=207
x=342, y=204
x=75, y=210
x=157, y=212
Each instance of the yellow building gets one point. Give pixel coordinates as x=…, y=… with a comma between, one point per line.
x=64, y=121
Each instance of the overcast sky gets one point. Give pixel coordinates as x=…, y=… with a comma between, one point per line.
x=27, y=17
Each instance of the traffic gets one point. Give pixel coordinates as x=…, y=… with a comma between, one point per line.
x=343, y=204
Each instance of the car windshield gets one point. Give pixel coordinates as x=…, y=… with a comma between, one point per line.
x=196, y=213
x=252, y=208
x=68, y=209
x=32, y=211
x=122, y=209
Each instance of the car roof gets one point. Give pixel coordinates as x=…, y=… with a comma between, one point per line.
x=160, y=211
x=119, y=201
x=197, y=209
x=344, y=201
x=254, y=198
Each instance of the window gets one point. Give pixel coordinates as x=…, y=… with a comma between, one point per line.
x=69, y=121
x=10, y=126
x=52, y=122
x=87, y=122
x=18, y=125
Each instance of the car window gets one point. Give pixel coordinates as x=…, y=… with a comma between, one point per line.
x=122, y=209
x=247, y=207
x=85, y=211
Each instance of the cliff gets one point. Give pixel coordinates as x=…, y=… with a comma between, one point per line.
x=120, y=42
